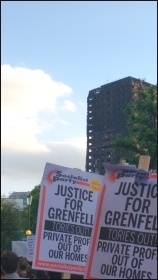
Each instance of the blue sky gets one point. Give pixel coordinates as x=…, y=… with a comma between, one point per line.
x=52, y=54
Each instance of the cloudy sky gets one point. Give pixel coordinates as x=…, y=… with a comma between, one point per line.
x=52, y=54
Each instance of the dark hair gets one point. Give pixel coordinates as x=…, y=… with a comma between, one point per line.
x=31, y=274
x=23, y=263
x=9, y=262
x=40, y=274
x=2, y=273
x=55, y=275
x=30, y=263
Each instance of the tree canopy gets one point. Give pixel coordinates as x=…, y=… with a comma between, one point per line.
x=10, y=223
x=14, y=221
x=33, y=211
x=142, y=127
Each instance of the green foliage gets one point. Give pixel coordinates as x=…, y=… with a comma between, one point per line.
x=142, y=127
x=33, y=211
x=15, y=221
x=34, y=207
x=10, y=223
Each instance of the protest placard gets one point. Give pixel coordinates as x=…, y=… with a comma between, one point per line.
x=30, y=247
x=20, y=248
x=124, y=237
x=67, y=205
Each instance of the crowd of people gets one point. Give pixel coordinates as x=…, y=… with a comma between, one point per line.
x=14, y=267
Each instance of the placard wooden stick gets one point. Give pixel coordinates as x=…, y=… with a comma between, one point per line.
x=144, y=162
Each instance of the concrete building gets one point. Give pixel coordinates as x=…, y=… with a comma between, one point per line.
x=18, y=202
x=106, y=119
x=19, y=197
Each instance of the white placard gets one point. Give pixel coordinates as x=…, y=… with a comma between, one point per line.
x=67, y=205
x=30, y=247
x=124, y=237
x=20, y=248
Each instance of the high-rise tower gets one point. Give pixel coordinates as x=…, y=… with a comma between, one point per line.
x=106, y=119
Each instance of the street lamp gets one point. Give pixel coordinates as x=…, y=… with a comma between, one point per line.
x=29, y=201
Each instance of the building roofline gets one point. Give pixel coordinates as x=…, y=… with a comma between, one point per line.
x=130, y=78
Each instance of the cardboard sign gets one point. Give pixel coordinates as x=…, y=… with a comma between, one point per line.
x=68, y=199
x=144, y=162
x=124, y=237
x=30, y=247
x=20, y=248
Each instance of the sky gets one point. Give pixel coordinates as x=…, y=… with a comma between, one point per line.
x=52, y=54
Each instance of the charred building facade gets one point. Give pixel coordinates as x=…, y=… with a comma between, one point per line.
x=106, y=119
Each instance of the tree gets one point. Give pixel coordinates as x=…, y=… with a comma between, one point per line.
x=34, y=207
x=142, y=127
x=33, y=211
x=10, y=223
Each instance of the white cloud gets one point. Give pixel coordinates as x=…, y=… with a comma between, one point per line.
x=26, y=93
x=33, y=104
x=23, y=170
x=29, y=91
x=69, y=106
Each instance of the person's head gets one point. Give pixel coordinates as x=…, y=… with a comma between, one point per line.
x=2, y=274
x=30, y=263
x=32, y=274
x=9, y=262
x=23, y=264
x=55, y=275
x=40, y=274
